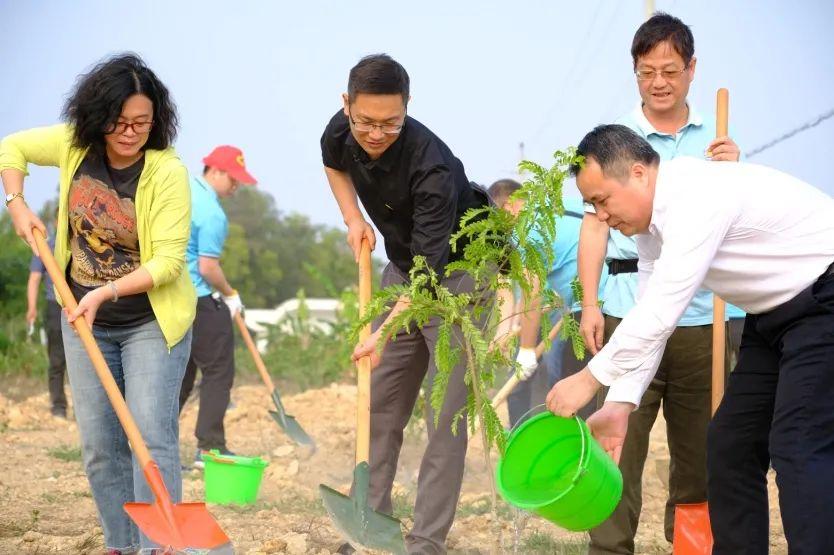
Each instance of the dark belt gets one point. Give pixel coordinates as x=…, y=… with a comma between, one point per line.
x=617, y=266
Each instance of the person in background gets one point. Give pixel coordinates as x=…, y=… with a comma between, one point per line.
x=559, y=360
x=213, y=344
x=52, y=323
x=124, y=211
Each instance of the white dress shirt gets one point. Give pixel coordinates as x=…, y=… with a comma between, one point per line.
x=753, y=235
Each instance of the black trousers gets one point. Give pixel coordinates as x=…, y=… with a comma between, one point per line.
x=57, y=360
x=778, y=410
x=213, y=352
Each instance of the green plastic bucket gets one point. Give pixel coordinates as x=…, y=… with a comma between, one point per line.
x=232, y=479
x=554, y=468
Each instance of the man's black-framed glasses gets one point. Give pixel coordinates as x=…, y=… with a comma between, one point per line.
x=138, y=127
x=365, y=127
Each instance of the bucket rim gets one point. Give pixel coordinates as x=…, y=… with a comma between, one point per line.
x=581, y=467
x=214, y=456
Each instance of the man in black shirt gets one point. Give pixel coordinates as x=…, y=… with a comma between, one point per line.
x=415, y=192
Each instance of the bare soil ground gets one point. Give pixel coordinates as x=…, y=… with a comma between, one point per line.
x=46, y=507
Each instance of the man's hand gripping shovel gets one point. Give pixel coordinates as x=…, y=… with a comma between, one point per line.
x=362, y=526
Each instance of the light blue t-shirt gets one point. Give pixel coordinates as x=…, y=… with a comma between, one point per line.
x=621, y=290
x=563, y=268
x=209, y=227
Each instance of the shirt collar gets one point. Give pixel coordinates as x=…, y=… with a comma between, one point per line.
x=695, y=119
x=205, y=185
x=659, y=203
x=384, y=162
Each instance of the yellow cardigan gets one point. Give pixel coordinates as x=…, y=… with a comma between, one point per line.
x=163, y=217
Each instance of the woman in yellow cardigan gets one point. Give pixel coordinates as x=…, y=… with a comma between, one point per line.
x=123, y=226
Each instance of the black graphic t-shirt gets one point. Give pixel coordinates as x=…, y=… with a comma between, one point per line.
x=104, y=242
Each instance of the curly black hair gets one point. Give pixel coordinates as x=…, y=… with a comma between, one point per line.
x=96, y=102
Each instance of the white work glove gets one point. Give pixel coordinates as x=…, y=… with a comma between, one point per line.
x=526, y=359
x=234, y=303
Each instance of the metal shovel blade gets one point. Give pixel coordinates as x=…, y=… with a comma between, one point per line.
x=194, y=530
x=289, y=424
x=362, y=526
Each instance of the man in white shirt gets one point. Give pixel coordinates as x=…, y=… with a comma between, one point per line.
x=763, y=241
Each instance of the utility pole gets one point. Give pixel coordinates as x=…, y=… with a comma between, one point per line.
x=649, y=6
x=520, y=158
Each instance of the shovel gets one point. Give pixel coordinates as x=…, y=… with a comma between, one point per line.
x=362, y=526
x=287, y=422
x=514, y=380
x=177, y=526
x=693, y=534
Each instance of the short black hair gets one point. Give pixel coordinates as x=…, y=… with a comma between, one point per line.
x=659, y=28
x=615, y=148
x=378, y=74
x=501, y=190
x=99, y=95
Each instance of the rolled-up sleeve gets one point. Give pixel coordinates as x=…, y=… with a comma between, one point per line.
x=42, y=146
x=170, y=226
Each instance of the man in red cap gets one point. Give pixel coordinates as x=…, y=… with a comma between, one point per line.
x=212, y=346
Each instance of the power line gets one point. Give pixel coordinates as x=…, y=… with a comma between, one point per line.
x=813, y=123
x=569, y=75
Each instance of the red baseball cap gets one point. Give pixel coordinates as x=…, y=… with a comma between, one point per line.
x=230, y=160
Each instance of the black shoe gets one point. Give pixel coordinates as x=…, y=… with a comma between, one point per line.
x=346, y=549
x=60, y=412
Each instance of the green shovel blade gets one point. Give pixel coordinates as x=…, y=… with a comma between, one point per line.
x=289, y=424
x=362, y=526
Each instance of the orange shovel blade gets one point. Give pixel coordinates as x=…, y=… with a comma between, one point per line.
x=192, y=527
x=693, y=535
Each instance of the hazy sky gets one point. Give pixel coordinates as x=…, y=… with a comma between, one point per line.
x=485, y=75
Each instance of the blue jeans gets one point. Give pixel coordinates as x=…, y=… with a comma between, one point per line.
x=149, y=377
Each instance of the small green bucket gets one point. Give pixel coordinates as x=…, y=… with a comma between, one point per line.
x=232, y=479
x=553, y=467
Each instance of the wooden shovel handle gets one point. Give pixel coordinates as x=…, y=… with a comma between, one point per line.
x=718, y=307
x=363, y=365
x=102, y=370
x=514, y=380
x=722, y=113
x=253, y=350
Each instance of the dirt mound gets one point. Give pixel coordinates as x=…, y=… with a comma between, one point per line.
x=45, y=504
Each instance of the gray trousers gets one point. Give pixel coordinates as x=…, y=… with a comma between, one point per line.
x=395, y=385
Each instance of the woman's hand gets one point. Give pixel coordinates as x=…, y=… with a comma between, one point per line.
x=24, y=220
x=89, y=305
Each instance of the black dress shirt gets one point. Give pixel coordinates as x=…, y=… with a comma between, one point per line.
x=415, y=193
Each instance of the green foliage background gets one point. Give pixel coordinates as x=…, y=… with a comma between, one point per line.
x=268, y=256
